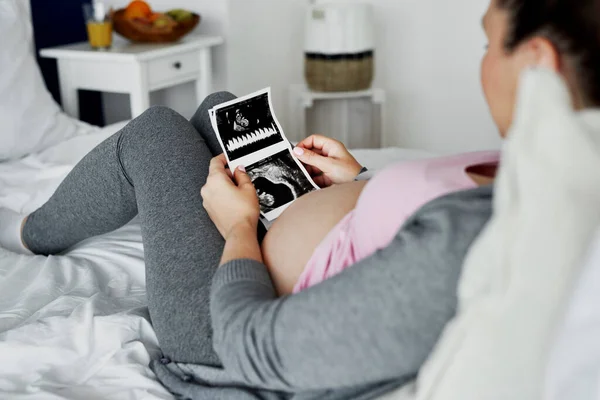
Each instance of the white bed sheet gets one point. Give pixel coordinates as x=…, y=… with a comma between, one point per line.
x=76, y=326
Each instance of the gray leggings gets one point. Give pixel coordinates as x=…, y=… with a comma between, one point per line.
x=154, y=167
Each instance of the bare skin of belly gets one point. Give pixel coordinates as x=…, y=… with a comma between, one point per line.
x=293, y=237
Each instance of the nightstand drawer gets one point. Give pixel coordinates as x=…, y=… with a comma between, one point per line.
x=167, y=69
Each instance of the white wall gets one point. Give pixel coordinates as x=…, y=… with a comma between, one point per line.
x=264, y=48
x=428, y=59
x=428, y=56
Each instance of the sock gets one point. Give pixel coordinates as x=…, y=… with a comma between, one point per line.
x=10, y=231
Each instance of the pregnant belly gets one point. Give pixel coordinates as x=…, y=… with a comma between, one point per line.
x=294, y=236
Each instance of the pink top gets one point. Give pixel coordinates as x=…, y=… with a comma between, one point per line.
x=390, y=197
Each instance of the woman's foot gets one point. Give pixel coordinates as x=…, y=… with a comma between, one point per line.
x=11, y=226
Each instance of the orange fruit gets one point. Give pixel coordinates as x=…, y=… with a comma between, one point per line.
x=138, y=9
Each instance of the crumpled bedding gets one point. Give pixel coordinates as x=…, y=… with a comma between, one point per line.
x=76, y=326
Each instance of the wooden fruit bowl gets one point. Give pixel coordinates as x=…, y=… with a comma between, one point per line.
x=139, y=32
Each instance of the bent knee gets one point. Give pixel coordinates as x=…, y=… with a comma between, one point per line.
x=217, y=98
x=160, y=121
x=159, y=126
x=159, y=114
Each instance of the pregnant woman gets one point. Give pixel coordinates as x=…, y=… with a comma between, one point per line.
x=368, y=271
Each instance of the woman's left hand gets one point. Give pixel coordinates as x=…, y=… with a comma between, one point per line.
x=230, y=201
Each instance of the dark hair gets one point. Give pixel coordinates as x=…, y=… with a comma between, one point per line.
x=573, y=27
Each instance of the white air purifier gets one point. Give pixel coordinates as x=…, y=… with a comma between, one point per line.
x=339, y=47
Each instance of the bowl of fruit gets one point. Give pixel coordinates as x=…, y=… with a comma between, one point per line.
x=139, y=23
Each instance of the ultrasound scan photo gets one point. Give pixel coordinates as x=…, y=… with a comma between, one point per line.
x=247, y=126
x=278, y=181
x=250, y=135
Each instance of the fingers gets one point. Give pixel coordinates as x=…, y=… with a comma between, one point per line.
x=317, y=151
x=218, y=163
x=241, y=178
x=313, y=142
x=218, y=168
x=312, y=171
x=318, y=180
x=322, y=181
x=319, y=143
x=313, y=159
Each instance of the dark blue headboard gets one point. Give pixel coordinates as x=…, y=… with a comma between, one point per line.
x=56, y=23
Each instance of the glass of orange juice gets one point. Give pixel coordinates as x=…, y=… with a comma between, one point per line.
x=99, y=25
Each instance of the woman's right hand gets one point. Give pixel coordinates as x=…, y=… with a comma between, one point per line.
x=327, y=160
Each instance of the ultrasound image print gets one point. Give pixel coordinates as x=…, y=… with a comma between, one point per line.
x=278, y=181
x=247, y=126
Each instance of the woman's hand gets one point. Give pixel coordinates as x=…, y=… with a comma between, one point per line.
x=230, y=201
x=327, y=160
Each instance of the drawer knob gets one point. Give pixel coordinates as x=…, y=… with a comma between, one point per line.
x=177, y=65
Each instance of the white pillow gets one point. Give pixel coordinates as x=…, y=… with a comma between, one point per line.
x=574, y=368
x=30, y=120
x=518, y=276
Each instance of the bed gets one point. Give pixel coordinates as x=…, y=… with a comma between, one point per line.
x=76, y=326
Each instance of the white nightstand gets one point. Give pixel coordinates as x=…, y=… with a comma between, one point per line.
x=136, y=69
x=355, y=125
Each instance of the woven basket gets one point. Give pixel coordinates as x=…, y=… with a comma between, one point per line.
x=139, y=32
x=339, y=73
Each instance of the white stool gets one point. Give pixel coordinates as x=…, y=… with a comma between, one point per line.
x=355, y=118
